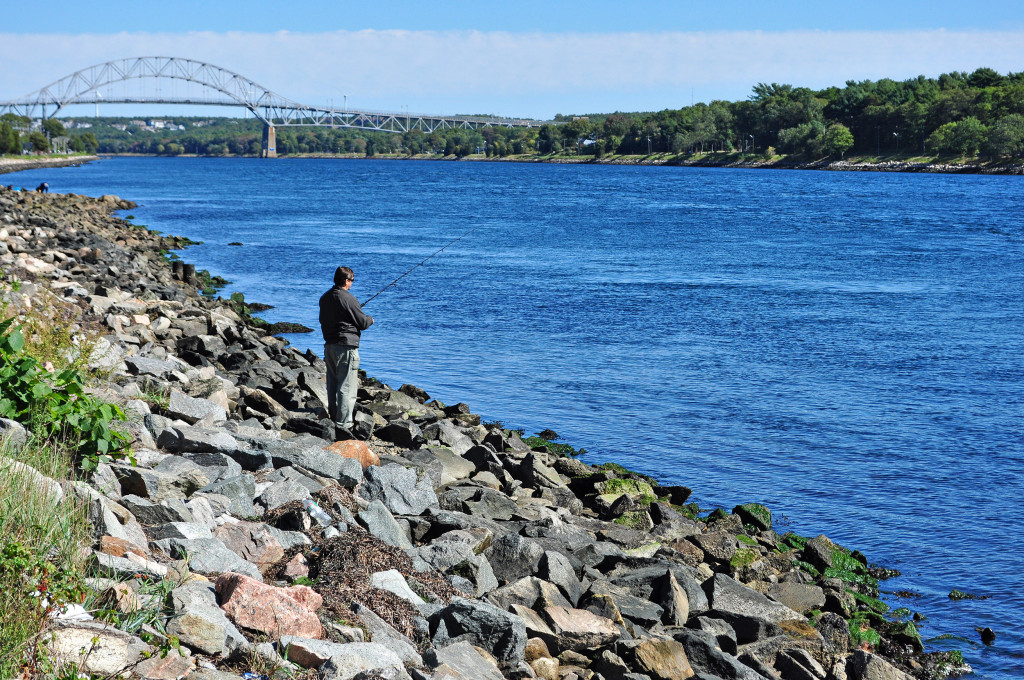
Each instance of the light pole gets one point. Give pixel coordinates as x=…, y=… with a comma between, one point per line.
x=897, y=136
x=648, y=145
x=751, y=142
x=878, y=140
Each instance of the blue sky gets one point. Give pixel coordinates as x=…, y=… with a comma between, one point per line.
x=556, y=16
x=524, y=58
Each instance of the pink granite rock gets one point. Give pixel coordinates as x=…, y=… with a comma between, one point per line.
x=276, y=611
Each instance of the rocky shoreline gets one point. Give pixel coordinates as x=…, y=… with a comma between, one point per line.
x=448, y=547
x=15, y=164
x=835, y=166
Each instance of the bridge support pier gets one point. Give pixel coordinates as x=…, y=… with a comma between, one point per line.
x=269, y=142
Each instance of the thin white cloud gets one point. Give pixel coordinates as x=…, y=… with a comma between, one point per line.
x=530, y=74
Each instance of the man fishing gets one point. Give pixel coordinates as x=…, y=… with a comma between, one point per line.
x=342, y=322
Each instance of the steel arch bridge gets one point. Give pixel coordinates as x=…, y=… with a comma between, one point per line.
x=82, y=87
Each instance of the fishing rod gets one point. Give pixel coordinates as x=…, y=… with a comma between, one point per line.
x=419, y=265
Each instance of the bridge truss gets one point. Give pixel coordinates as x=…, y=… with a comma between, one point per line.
x=83, y=87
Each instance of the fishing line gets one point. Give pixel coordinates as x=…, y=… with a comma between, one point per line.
x=419, y=265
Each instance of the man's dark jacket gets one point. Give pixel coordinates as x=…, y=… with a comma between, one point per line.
x=341, y=318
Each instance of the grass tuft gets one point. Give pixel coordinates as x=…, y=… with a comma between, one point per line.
x=40, y=541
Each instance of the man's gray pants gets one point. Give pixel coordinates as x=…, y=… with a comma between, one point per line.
x=342, y=382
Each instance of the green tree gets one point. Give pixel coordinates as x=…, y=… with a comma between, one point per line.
x=984, y=77
x=86, y=142
x=576, y=130
x=39, y=141
x=9, y=141
x=54, y=128
x=1006, y=137
x=616, y=125
x=805, y=138
x=838, y=139
x=963, y=137
x=549, y=139
x=15, y=120
x=704, y=127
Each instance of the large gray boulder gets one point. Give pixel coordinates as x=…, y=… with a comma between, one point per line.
x=172, y=477
x=706, y=656
x=239, y=490
x=377, y=520
x=13, y=432
x=557, y=569
x=448, y=435
x=403, y=433
x=526, y=591
x=200, y=624
x=393, y=581
x=310, y=653
x=92, y=647
x=462, y=661
x=197, y=440
x=393, y=403
x=443, y=555
x=492, y=505
x=637, y=609
x=867, y=666
x=108, y=518
x=745, y=609
x=454, y=467
x=193, y=410
x=643, y=580
x=398, y=489
x=150, y=513
x=800, y=597
x=355, y=658
x=279, y=493
x=501, y=633
x=381, y=631
x=308, y=452
x=147, y=366
x=512, y=557
x=183, y=530
x=208, y=556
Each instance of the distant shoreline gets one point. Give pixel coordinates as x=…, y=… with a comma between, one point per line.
x=975, y=167
x=31, y=163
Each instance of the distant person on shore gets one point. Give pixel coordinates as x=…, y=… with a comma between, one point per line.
x=43, y=188
x=342, y=322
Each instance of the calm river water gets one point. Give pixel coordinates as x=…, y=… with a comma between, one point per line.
x=847, y=348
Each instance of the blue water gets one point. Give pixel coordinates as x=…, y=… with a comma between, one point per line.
x=847, y=348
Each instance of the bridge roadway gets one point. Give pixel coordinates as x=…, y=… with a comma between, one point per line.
x=83, y=87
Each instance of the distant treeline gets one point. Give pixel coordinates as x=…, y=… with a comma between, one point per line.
x=956, y=114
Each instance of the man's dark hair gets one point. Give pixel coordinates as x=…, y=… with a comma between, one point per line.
x=343, y=274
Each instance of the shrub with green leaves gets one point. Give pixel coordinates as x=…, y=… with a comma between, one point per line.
x=33, y=590
x=55, y=406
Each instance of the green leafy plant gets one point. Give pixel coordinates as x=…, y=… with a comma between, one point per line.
x=56, y=405
x=33, y=590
